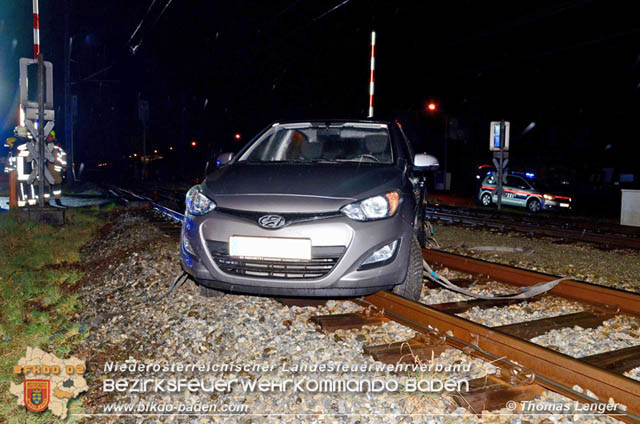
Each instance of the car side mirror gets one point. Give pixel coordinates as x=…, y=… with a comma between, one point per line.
x=424, y=162
x=224, y=158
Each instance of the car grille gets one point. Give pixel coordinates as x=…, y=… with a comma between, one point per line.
x=323, y=259
x=290, y=218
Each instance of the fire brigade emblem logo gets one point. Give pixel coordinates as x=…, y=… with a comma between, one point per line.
x=36, y=395
x=271, y=221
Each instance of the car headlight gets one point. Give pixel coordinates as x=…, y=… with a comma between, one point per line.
x=198, y=203
x=376, y=207
x=548, y=197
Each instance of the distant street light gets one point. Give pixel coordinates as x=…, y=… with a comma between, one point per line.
x=432, y=108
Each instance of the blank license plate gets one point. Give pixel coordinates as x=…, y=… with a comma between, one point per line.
x=270, y=247
x=564, y=205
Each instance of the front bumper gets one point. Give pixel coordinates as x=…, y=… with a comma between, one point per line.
x=557, y=204
x=358, y=239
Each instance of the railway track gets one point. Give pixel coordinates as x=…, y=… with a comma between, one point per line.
x=605, y=235
x=525, y=368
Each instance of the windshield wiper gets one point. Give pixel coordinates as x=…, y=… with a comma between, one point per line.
x=297, y=162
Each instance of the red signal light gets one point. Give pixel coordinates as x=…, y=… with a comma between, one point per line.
x=237, y=136
x=431, y=106
x=194, y=143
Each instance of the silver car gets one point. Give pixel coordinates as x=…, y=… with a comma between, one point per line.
x=322, y=209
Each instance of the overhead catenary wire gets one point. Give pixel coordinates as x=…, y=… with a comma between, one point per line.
x=141, y=21
x=317, y=18
x=135, y=47
x=287, y=35
x=161, y=13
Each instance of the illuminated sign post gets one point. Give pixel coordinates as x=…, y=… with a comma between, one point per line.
x=499, y=145
x=499, y=139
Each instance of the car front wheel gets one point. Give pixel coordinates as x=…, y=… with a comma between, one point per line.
x=485, y=199
x=411, y=287
x=533, y=205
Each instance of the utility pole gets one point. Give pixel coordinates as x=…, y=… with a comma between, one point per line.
x=40, y=130
x=143, y=116
x=372, y=68
x=68, y=118
x=37, y=55
x=446, y=148
x=499, y=145
x=501, y=163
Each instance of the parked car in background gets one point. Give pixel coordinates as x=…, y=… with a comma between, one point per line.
x=521, y=192
x=331, y=208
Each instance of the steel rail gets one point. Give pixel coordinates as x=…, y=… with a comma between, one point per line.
x=564, y=233
x=170, y=213
x=553, y=370
x=557, y=221
x=625, y=301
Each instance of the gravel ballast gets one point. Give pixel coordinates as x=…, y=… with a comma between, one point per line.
x=131, y=316
x=616, y=333
x=614, y=268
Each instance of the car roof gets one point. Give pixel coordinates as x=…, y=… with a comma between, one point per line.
x=330, y=121
x=494, y=174
x=490, y=173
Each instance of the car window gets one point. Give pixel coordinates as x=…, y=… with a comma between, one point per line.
x=517, y=182
x=349, y=142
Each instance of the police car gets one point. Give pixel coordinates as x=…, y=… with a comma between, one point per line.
x=520, y=192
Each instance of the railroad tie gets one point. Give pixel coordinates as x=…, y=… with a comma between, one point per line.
x=490, y=394
x=530, y=329
x=616, y=361
x=414, y=350
x=465, y=305
x=331, y=323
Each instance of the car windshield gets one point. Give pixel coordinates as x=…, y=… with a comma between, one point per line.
x=306, y=142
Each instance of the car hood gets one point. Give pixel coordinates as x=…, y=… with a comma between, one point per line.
x=298, y=187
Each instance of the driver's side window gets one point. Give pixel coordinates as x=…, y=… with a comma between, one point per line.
x=519, y=183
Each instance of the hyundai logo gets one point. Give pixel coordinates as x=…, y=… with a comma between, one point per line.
x=271, y=221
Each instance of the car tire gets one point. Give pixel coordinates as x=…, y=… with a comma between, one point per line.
x=420, y=230
x=411, y=287
x=485, y=199
x=209, y=292
x=533, y=205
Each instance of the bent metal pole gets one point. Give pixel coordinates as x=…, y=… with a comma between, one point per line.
x=372, y=68
x=36, y=30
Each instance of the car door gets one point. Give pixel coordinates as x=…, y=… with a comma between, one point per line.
x=518, y=192
x=508, y=191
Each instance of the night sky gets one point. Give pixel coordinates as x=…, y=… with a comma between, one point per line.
x=210, y=69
